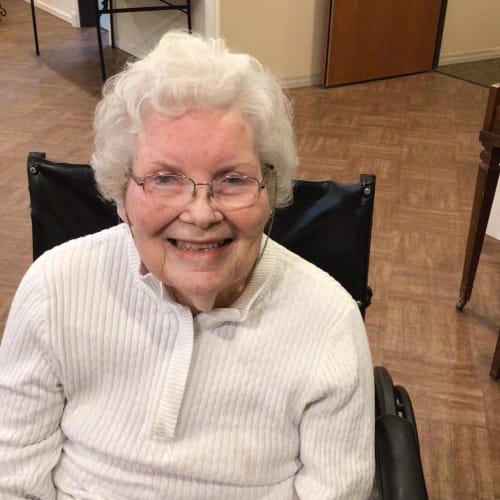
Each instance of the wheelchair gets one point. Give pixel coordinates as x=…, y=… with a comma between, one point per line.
x=328, y=223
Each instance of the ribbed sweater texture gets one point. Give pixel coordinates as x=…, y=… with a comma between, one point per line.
x=109, y=389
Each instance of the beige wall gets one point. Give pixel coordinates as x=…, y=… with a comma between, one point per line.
x=493, y=228
x=471, y=31
x=285, y=35
x=137, y=33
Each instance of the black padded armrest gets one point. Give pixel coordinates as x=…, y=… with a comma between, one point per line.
x=400, y=475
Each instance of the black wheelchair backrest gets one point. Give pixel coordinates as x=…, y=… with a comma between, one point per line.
x=328, y=223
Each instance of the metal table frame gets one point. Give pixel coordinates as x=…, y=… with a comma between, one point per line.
x=108, y=8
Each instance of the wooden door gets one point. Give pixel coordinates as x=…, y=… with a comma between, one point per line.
x=370, y=39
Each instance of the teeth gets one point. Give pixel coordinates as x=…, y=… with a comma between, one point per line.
x=184, y=245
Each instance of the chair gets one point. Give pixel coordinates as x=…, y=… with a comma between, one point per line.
x=397, y=451
x=108, y=8
x=328, y=223
x=332, y=221
x=486, y=184
x=65, y=203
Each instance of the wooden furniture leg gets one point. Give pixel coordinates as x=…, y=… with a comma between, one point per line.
x=487, y=179
x=486, y=184
x=495, y=365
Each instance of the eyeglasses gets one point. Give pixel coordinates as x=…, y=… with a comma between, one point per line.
x=177, y=190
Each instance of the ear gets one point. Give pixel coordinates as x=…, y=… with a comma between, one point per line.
x=122, y=212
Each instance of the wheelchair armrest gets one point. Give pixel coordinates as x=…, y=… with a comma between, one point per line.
x=400, y=475
x=384, y=392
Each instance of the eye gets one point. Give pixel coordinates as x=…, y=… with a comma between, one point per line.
x=235, y=180
x=165, y=179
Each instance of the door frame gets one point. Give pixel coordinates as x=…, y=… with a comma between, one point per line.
x=439, y=35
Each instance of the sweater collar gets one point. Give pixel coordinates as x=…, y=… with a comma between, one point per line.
x=256, y=288
x=259, y=283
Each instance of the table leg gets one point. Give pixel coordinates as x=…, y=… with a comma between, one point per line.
x=35, y=31
x=487, y=178
x=495, y=365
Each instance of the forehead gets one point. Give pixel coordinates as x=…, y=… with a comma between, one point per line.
x=212, y=126
x=201, y=139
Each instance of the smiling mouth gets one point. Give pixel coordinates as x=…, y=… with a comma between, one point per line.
x=199, y=247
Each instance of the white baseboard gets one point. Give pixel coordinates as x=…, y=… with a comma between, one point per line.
x=47, y=6
x=293, y=82
x=460, y=57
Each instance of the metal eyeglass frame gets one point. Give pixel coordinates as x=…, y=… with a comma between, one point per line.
x=260, y=184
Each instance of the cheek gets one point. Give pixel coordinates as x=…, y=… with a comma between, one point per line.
x=250, y=230
x=251, y=222
x=258, y=221
x=146, y=220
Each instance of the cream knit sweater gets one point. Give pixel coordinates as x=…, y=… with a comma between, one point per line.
x=110, y=390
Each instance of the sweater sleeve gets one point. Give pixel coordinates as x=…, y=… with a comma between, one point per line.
x=337, y=431
x=32, y=398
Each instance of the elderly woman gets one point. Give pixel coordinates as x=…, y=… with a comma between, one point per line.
x=183, y=354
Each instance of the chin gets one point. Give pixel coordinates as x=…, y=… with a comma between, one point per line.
x=206, y=295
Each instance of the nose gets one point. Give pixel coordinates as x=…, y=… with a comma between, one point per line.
x=202, y=209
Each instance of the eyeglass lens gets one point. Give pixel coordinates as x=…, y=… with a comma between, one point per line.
x=176, y=190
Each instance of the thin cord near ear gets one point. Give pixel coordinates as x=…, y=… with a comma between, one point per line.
x=273, y=211
x=127, y=220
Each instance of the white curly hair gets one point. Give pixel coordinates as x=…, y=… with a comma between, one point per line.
x=185, y=72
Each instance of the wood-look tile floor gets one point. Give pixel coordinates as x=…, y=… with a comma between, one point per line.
x=418, y=134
